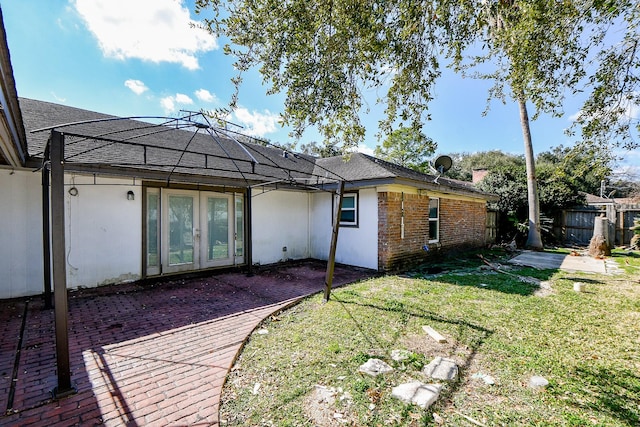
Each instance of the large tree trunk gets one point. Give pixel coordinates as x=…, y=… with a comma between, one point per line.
x=534, y=240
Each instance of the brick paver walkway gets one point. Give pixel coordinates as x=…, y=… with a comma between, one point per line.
x=142, y=355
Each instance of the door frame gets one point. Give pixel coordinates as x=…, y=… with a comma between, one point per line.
x=238, y=243
x=205, y=262
x=165, y=246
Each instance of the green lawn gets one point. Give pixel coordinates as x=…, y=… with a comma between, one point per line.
x=586, y=344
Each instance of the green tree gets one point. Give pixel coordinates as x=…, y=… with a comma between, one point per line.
x=324, y=54
x=465, y=163
x=609, y=117
x=564, y=174
x=580, y=171
x=535, y=54
x=509, y=181
x=316, y=149
x=407, y=147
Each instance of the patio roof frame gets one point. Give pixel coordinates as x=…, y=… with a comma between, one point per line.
x=53, y=171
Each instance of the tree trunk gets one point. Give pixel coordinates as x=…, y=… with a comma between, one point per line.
x=534, y=239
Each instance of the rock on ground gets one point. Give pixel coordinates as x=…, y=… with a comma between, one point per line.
x=423, y=395
x=442, y=369
x=375, y=367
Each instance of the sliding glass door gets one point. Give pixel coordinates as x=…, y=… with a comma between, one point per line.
x=197, y=229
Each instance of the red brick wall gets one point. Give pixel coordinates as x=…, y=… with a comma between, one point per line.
x=462, y=223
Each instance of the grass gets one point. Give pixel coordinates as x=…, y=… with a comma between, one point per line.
x=585, y=344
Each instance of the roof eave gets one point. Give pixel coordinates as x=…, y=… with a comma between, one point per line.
x=13, y=142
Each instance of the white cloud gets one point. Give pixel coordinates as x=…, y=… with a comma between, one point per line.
x=150, y=30
x=365, y=150
x=169, y=103
x=575, y=116
x=256, y=123
x=205, y=96
x=183, y=99
x=631, y=111
x=136, y=86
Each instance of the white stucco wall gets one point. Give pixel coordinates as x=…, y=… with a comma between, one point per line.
x=279, y=218
x=103, y=231
x=356, y=245
x=20, y=233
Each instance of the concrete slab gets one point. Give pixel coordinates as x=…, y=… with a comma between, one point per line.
x=547, y=260
x=423, y=395
x=442, y=369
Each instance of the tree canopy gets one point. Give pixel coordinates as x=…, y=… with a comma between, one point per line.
x=407, y=147
x=564, y=175
x=324, y=55
x=494, y=160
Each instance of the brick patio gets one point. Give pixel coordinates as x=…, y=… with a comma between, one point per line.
x=143, y=355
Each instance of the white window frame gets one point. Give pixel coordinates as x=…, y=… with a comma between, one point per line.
x=353, y=223
x=436, y=220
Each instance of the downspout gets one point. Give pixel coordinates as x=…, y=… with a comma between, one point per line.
x=309, y=204
x=402, y=216
x=248, y=235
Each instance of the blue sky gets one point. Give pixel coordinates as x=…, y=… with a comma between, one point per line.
x=141, y=57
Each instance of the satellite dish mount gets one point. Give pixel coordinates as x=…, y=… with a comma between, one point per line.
x=441, y=165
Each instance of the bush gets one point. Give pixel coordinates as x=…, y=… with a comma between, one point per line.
x=635, y=240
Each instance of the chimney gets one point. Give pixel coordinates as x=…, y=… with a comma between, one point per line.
x=478, y=175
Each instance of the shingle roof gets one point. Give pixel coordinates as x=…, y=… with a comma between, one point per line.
x=108, y=144
x=362, y=167
x=138, y=146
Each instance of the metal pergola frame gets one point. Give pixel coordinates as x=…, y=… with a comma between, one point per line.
x=53, y=210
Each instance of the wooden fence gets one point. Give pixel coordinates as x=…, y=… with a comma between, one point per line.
x=491, y=227
x=625, y=222
x=576, y=225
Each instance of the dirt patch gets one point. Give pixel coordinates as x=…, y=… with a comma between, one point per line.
x=544, y=290
x=319, y=406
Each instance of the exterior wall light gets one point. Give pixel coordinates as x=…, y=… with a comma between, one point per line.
x=130, y=195
x=73, y=191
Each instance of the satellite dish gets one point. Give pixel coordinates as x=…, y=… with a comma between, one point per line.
x=443, y=164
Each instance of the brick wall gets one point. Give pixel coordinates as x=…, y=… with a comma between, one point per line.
x=462, y=224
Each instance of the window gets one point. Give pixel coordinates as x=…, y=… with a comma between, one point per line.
x=434, y=220
x=349, y=213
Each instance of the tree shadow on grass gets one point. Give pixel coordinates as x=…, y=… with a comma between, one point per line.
x=522, y=281
x=469, y=335
x=585, y=280
x=405, y=312
x=615, y=392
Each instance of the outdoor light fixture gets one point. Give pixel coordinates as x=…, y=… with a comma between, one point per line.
x=130, y=195
x=73, y=191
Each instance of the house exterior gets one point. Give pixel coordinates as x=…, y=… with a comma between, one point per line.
x=13, y=144
x=404, y=215
x=112, y=200
x=143, y=200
